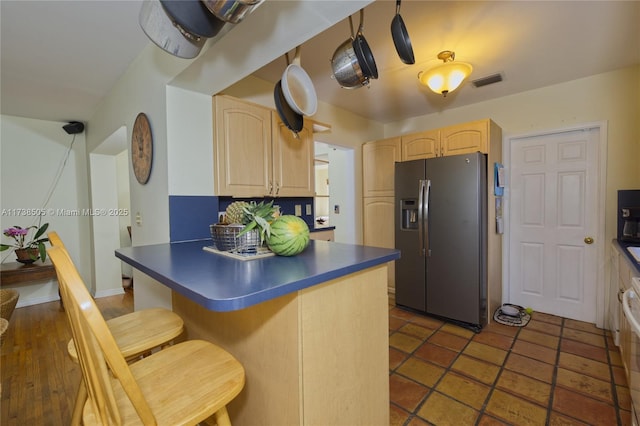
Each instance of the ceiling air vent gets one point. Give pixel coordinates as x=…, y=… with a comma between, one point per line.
x=484, y=81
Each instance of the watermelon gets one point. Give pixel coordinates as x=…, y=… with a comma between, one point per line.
x=289, y=235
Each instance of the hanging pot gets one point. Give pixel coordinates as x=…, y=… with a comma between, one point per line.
x=297, y=87
x=401, y=37
x=193, y=17
x=232, y=11
x=173, y=39
x=347, y=68
x=293, y=120
x=363, y=52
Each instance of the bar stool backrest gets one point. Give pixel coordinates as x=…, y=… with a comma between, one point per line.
x=98, y=354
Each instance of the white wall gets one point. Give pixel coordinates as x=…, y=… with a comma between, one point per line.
x=189, y=142
x=32, y=153
x=343, y=194
x=108, y=276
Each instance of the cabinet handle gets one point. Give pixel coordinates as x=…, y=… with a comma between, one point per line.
x=270, y=187
x=277, y=188
x=620, y=293
x=588, y=240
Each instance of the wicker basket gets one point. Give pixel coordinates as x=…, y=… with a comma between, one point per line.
x=4, y=326
x=225, y=238
x=8, y=300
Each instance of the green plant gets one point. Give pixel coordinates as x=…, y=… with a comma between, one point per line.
x=259, y=215
x=19, y=235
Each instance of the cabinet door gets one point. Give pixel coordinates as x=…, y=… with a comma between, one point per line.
x=242, y=148
x=378, y=166
x=420, y=145
x=327, y=235
x=379, y=228
x=293, y=161
x=465, y=138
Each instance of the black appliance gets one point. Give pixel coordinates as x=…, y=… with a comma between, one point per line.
x=629, y=215
x=441, y=231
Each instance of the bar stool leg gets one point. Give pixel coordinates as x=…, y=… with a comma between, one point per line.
x=81, y=398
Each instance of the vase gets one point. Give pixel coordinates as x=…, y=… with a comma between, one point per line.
x=28, y=255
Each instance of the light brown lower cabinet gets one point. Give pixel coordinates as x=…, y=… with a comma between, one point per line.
x=327, y=235
x=379, y=230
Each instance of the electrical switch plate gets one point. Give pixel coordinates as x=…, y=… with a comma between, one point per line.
x=336, y=209
x=308, y=211
x=298, y=210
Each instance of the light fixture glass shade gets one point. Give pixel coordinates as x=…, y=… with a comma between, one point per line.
x=445, y=78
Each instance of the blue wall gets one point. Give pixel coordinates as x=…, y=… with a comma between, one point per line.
x=191, y=215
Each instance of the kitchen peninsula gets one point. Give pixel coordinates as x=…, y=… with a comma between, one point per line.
x=311, y=330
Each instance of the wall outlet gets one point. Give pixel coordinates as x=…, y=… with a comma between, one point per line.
x=298, y=210
x=308, y=210
x=336, y=209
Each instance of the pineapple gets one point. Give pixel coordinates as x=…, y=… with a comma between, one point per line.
x=235, y=213
x=259, y=215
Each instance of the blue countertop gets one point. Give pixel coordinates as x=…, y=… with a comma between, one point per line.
x=220, y=283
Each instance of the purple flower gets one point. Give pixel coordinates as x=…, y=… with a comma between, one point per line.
x=14, y=232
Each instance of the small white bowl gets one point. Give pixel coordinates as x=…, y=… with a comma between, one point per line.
x=510, y=310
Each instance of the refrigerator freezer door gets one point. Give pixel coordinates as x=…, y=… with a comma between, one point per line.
x=410, y=268
x=456, y=287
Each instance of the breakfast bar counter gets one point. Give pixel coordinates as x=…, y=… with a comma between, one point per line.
x=310, y=330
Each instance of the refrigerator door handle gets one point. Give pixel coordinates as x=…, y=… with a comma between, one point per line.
x=421, y=186
x=427, y=248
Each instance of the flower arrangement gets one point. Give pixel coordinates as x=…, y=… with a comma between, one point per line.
x=35, y=245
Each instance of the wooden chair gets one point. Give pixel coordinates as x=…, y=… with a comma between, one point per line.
x=183, y=384
x=135, y=333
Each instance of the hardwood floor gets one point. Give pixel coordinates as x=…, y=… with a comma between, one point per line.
x=39, y=380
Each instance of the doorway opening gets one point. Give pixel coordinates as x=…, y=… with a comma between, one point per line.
x=335, y=190
x=111, y=212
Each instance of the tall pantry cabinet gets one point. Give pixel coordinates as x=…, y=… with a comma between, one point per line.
x=378, y=171
x=378, y=167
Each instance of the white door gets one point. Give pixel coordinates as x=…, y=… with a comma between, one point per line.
x=554, y=217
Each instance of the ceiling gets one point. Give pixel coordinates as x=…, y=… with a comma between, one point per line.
x=59, y=58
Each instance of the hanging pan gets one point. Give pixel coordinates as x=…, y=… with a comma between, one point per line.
x=348, y=61
x=193, y=17
x=171, y=38
x=289, y=117
x=297, y=87
x=363, y=52
x=401, y=37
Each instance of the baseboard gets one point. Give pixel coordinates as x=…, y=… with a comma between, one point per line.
x=36, y=301
x=110, y=292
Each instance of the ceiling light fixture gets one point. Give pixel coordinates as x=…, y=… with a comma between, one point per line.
x=446, y=77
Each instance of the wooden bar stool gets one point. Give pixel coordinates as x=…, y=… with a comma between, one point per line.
x=185, y=384
x=135, y=333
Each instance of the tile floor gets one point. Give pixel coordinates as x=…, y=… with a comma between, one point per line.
x=554, y=371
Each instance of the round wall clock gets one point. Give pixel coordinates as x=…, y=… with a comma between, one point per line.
x=142, y=148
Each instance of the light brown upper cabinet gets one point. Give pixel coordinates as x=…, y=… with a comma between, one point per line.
x=421, y=145
x=378, y=167
x=464, y=138
x=255, y=155
x=461, y=138
x=293, y=161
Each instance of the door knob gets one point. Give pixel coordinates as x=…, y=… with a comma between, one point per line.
x=588, y=240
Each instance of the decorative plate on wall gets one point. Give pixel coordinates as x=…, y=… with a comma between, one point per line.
x=142, y=148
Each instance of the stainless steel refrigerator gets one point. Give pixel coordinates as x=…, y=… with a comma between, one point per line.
x=441, y=231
